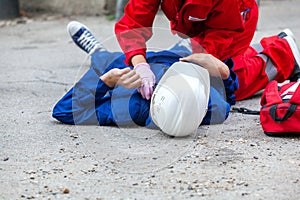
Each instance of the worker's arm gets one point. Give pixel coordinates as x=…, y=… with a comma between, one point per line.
x=214, y=66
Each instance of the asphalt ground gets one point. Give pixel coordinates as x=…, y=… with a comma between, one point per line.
x=41, y=158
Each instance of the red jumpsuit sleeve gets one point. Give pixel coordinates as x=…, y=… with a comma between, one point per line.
x=135, y=27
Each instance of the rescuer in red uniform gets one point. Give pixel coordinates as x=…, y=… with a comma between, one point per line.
x=223, y=28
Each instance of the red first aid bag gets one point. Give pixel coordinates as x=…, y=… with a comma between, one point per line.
x=280, y=109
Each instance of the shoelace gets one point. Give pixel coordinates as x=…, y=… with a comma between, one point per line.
x=87, y=41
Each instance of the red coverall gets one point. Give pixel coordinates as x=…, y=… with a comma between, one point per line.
x=223, y=28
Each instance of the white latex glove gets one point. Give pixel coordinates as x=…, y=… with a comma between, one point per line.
x=148, y=79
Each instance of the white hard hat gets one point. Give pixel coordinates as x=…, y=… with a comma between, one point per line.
x=179, y=102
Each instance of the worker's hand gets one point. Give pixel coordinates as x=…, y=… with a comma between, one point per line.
x=148, y=79
x=214, y=66
x=125, y=77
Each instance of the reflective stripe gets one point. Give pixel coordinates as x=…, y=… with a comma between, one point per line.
x=285, y=95
x=270, y=69
x=258, y=47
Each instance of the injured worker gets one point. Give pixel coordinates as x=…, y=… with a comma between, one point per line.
x=189, y=90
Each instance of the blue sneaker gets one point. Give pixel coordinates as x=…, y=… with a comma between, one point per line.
x=83, y=37
x=290, y=38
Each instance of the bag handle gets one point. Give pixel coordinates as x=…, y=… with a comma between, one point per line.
x=287, y=115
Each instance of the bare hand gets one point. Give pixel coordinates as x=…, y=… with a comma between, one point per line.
x=214, y=66
x=125, y=77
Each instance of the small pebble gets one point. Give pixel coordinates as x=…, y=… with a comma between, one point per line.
x=66, y=191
